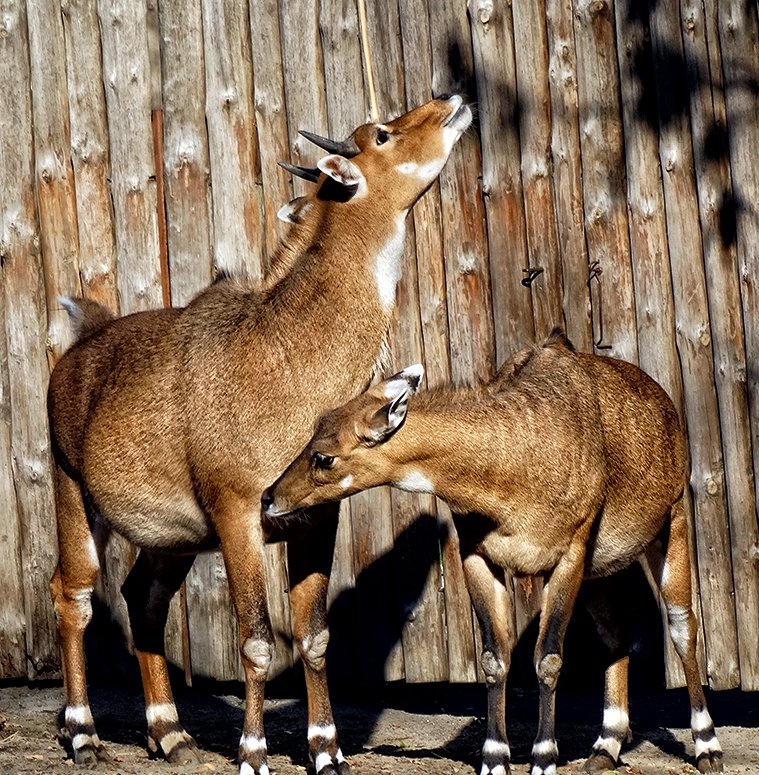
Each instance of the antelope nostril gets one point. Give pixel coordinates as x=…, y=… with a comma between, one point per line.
x=267, y=499
x=445, y=96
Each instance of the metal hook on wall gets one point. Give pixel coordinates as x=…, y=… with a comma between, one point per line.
x=594, y=273
x=532, y=272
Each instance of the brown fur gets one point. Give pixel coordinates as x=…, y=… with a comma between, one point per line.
x=566, y=464
x=168, y=424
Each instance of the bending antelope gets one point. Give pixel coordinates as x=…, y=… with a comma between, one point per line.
x=567, y=464
x=167, y=425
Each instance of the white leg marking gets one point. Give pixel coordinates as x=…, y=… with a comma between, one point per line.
x=339, y=758
x=499, y=769
x=616, y=720
x=322, y=760
x=171, y=740
x=79, y=741
x=247, y=769
x=700, y=720
x=252, y=744
x=545, y=748
x=708, y=746
x=78, y=714
x=611, y=745
x=415, y=481
x=161, y=711
x=326, y=731
x=496, y=748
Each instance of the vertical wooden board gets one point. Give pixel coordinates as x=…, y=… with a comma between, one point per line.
x=25, y=332
x=739, y=36
x=427, y=215
x=54, y=179
x=470, y=314
x=715, y=198
x=567, y=172
x=304, y=81
x=534, y=99
x=303, y=68
x=89, y=153
x=694, y=348
x=211, y=620
x=418, y=567
x=12, y=613
x=380, y=619
x=126, y=73
x=371, y=511
x=433, y=313
x=235, y=167
x=344, y=655
x=271, y=117
x=603, y=167
x=648, y=229
x=501, y=175
x=186, y=163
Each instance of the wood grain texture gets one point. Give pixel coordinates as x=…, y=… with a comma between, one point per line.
x=738, y=29
x=695, y=349
x=26, y=336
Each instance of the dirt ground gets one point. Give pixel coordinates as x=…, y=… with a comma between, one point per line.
x=406, y=731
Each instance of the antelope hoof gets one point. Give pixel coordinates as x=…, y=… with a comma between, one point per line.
x=710, y=761
x=185, y=752
x=335, y=768
x=599, y=761
x=90, y=755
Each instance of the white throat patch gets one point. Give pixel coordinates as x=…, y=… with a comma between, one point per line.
x=387, y=266
x=415, y=481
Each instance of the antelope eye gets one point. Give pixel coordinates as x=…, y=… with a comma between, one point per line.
x=382, y=136
x=322, y=461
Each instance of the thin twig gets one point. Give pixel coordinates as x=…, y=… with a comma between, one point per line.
x=374, y=110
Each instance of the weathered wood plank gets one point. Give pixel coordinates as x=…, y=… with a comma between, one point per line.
x=186, y=163
x=739, y=37
x=54, y=181
x=567, y=172
x=694, y=348
x=12, y=610
x=603, y=167
x=235, y=168
x=271, y=118
x=90, y=153
x=501, y=113
x=420, y=593
x=25, y=332
x=648, y=228
x=534, y=100
x=433, y=312
x=715, y=199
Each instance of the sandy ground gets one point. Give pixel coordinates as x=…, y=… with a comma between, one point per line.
x=407, y=730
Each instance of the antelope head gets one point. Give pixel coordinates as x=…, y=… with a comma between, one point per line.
x=345, y=454
x=395, y=162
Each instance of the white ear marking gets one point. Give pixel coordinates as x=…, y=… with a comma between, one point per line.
x=341, y=169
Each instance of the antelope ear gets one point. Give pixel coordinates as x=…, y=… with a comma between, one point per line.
x=294, y=210
x=388, y=419
x=405, y=381
x=344, y=172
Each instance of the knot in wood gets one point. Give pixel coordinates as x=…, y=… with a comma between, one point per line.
x=711, y=486
x=705, y=338
x=484, y=11
x=598, y=8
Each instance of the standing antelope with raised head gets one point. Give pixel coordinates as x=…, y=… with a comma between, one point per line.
x=167, y=425
x=568, y=465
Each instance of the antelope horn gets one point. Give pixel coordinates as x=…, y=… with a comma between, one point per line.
x=347, y=148
x=307, y=173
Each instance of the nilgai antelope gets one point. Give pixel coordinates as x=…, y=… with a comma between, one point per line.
x=167, y=425
x=566, y=464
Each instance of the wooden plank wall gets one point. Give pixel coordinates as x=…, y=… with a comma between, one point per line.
x=609, y=185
